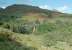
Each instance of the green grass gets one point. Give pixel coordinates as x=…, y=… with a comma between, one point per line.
x=51, y=34
x=14, y=41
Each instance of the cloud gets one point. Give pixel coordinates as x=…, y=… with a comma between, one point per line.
x=62, y=9
x=45, y=7
x=3, y=7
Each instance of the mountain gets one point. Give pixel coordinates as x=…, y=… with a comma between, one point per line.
x=20, y=10
x=1, y=10
x=28, y=12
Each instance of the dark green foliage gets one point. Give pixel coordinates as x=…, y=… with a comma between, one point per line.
x=7, y=26
x=6, y=18
x=20, y=29
x=1, y=23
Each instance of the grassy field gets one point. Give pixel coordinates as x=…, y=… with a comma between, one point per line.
x=51, y=34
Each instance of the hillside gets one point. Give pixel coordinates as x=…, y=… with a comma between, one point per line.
x=26, y=27
x=24, y=9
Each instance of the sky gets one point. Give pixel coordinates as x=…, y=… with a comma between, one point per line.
x=60, y=5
